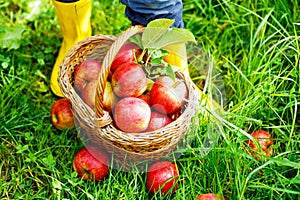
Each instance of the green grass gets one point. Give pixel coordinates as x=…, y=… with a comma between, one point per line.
x=255, y=46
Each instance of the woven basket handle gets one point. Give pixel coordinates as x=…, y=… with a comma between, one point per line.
x=102, y=116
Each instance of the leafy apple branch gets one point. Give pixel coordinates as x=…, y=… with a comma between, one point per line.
x=157, y=35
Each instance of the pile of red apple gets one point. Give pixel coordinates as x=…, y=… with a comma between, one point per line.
x=137, y=101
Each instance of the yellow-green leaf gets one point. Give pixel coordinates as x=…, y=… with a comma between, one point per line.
x=172, y=36
x=158, y=34
x=154, y=30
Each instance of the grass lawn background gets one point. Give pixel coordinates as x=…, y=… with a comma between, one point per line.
x=255, y=46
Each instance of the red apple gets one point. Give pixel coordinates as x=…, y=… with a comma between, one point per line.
x=129, y=80
x=61, y=114
x=158, y=120
x=264, y=139
x=85, y=72
x=91, y=163
x=162, y=176
x=132, y=115
x=89, y=92
x=146, y=97
x=168, y=95
x=210, y=196
x=128, y=52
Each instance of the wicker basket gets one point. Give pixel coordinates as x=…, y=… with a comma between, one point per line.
x=97, y=123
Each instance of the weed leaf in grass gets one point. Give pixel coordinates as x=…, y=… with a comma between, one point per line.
x=296, y=179
x=286, y=162
x=11, y=39
x=158, y=34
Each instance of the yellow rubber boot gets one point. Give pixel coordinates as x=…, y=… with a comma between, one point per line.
x=177, y=57
x=74, y=21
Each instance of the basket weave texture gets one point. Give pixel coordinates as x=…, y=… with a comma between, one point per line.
x=97, y=124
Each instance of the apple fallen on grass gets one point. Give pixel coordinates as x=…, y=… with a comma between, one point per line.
x=129, y=80
x=91, y=163
x=85, y=72
x=157, y=121
x=162, y=176
x=210, y=196
x=264, y=139
x=168, y=95
x=128, y=52
x=61, y=114
x=132, y=115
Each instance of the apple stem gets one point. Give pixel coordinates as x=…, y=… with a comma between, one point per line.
x=140, y=58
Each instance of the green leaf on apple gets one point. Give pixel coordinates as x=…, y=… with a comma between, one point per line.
x=155, y=37
x=158, y=34
x=157, y=56
x=158, y=53
x=137, y=39
x=156, y=61
x=157, y=71
x=170, y=72
x=154, y=30
x=157, y=66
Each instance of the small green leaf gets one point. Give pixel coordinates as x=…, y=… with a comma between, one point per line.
x=158, y=53
x=49, y=161
x=158, y=34
x=158, y=70
x=4, y=65
x=286, y=162
x=156, y=61
x=162, y=23
x=173, y=36
x=157, y=56
x=170, y=72
x=31, y=157
x=154, y=30
x=21, y=148
x=28, y=136
x=296, y=179
x=56, y=184
x=11, y=39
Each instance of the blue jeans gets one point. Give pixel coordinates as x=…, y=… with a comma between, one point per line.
x=141, y=12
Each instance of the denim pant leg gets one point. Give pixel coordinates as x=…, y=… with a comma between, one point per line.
x=141, y=12
x=67, y=1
